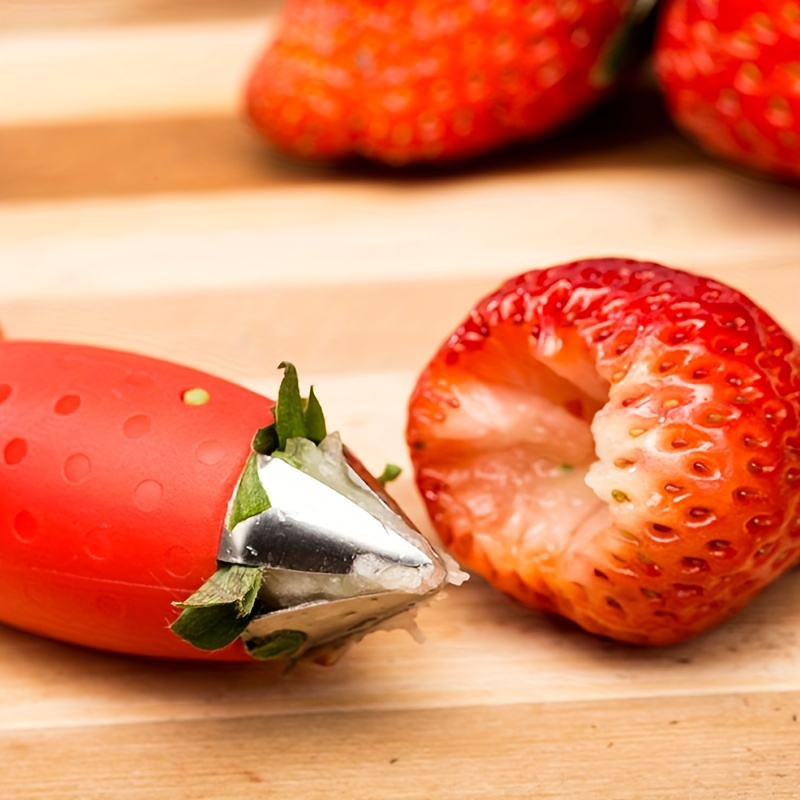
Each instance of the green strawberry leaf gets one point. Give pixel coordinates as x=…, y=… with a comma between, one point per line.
x=210, y=627
x=299, y=417
x=250, y=498
x=296, y=417
x=290, y=420
x=314, y=419
x=390, y=472
x=266, y=440
x=220, y=610
x=281, y=644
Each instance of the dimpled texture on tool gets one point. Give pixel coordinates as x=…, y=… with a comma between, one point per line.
x=116, y=472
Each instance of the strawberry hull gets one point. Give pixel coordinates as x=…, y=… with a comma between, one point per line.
x=117, y=471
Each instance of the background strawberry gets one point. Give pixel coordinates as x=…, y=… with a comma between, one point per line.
x=617, y=442
x=730, y=72
x=419, y=80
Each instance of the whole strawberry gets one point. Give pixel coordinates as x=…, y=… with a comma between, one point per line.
x=731, y=75
x=419, y=80
x=617, y=442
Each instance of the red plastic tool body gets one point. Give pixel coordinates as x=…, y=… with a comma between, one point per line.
x=114, y=485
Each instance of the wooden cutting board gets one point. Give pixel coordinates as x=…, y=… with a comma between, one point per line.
x=138, y=211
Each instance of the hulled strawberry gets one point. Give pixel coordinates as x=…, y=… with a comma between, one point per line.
x=617, y=442
x=730, y=72
x=419, y=80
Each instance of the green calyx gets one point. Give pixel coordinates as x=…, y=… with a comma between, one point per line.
x=296, y=417
x=250, y=498
x=281, y=644
x=219, y=611
x=222, y=608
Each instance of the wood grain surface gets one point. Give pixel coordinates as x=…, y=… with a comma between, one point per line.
x=137, y=210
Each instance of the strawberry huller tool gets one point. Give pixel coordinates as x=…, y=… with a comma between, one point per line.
x=316, y=551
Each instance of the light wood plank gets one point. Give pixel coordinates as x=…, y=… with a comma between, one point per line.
x=161, y=155
x=184, y=152
x=243, y=334
x=737, y=747
x=481, y=649
x=485, y=226
x=30, y=15
x=113, y=72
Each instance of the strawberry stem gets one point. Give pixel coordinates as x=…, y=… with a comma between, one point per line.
x=390, y=472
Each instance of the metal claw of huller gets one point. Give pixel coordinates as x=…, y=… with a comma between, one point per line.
x=337, y=555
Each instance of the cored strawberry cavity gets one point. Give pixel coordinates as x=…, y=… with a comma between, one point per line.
x=608, y=439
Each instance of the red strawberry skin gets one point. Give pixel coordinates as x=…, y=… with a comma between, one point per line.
x=617, y=442
x=420, y=80
x=115, y=490
x=730, y=72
